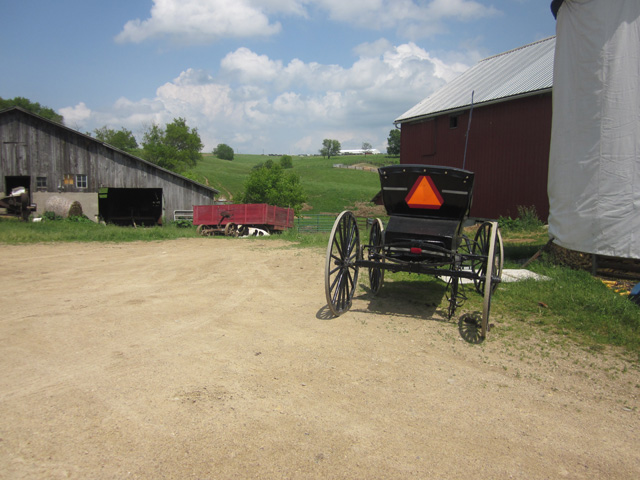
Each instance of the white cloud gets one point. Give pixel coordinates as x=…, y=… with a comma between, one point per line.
x=75, y=115
x=205, y=21
x=290, y=7
x=199, y=21
x=257, y=103
x=459, y=9
x=377, y=14
x=249, y=67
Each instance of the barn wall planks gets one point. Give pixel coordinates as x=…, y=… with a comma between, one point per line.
x=36, y=147
x=508, y=149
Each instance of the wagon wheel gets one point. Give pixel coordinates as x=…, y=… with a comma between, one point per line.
x=492, y=274
x=341, y=270
x=231, y=230
x=480, y=249
x=204, y=230
x=376, y=242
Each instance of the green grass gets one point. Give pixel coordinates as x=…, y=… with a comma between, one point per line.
x=526, y=221
x=328, y=189
x=572, y=304
x=303, y=240
x=16, y=232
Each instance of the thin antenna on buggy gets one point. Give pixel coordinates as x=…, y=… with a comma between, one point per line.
x=466, y=141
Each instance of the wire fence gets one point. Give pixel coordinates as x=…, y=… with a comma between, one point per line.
x=324, y=223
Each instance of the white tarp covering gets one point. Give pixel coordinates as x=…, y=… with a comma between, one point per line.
x=594, y=164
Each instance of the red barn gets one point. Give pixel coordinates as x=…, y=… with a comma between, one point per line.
x=509, y=134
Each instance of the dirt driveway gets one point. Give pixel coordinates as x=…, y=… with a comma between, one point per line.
x=215, y=358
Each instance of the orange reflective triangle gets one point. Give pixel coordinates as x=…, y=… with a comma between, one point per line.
x=424, y=194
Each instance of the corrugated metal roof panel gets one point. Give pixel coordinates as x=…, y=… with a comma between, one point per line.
x=516, y=72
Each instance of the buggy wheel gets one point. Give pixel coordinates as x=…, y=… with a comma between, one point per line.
x=376, y=242
x=480, y=250
x=453, y=296
x=454, y=287
x=492, y=274
x=341, y=269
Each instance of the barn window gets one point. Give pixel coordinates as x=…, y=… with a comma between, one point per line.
x=81, y=181
x=41, y=182
x=453, y=121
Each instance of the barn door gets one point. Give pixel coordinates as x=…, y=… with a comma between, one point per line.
x=131, y=206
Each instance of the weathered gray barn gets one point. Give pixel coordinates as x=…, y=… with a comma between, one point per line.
x=51, y=159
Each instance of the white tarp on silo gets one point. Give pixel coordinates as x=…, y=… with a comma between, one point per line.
x=594, y=164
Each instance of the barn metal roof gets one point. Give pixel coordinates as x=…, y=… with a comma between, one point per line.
x=524, y=71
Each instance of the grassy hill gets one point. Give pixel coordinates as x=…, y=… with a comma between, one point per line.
x=328, y=189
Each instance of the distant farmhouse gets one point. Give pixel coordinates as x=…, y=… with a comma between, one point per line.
x=360, y=151
x=50, y=159
x=507, y=97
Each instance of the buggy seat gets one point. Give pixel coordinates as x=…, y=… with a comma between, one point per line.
x=427, y=205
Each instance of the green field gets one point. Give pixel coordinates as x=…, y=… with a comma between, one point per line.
x=328, y=189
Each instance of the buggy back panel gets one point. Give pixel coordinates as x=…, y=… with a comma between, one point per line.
x=431, y=235
x=427, y=191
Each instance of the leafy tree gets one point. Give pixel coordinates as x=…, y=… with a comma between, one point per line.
x=176, y=148
x=366, y=147
x=184, y=140
x=286, y=161
x=30, y=106
x=330, y=148
x=223, y=152
x=393, y=142
x=274, y=186
x=122, y=139
x=155, y=151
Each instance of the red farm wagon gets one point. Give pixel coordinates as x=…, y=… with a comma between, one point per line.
x=241, y=219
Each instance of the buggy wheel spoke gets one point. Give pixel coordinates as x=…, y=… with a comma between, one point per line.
x=337, y=279
x=480, y=251
x=331, y=272
x=337, y=295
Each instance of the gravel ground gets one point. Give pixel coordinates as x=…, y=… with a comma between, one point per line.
x=215, y=358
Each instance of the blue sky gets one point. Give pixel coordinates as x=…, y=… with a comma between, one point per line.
x=272, y=76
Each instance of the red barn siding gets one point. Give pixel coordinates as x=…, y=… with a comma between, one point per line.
x=508, y=150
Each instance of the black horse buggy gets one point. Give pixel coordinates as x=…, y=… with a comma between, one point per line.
x=427, y=207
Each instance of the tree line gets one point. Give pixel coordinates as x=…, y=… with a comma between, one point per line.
x=33, y=107
x=176, y=146
x=331, y=148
